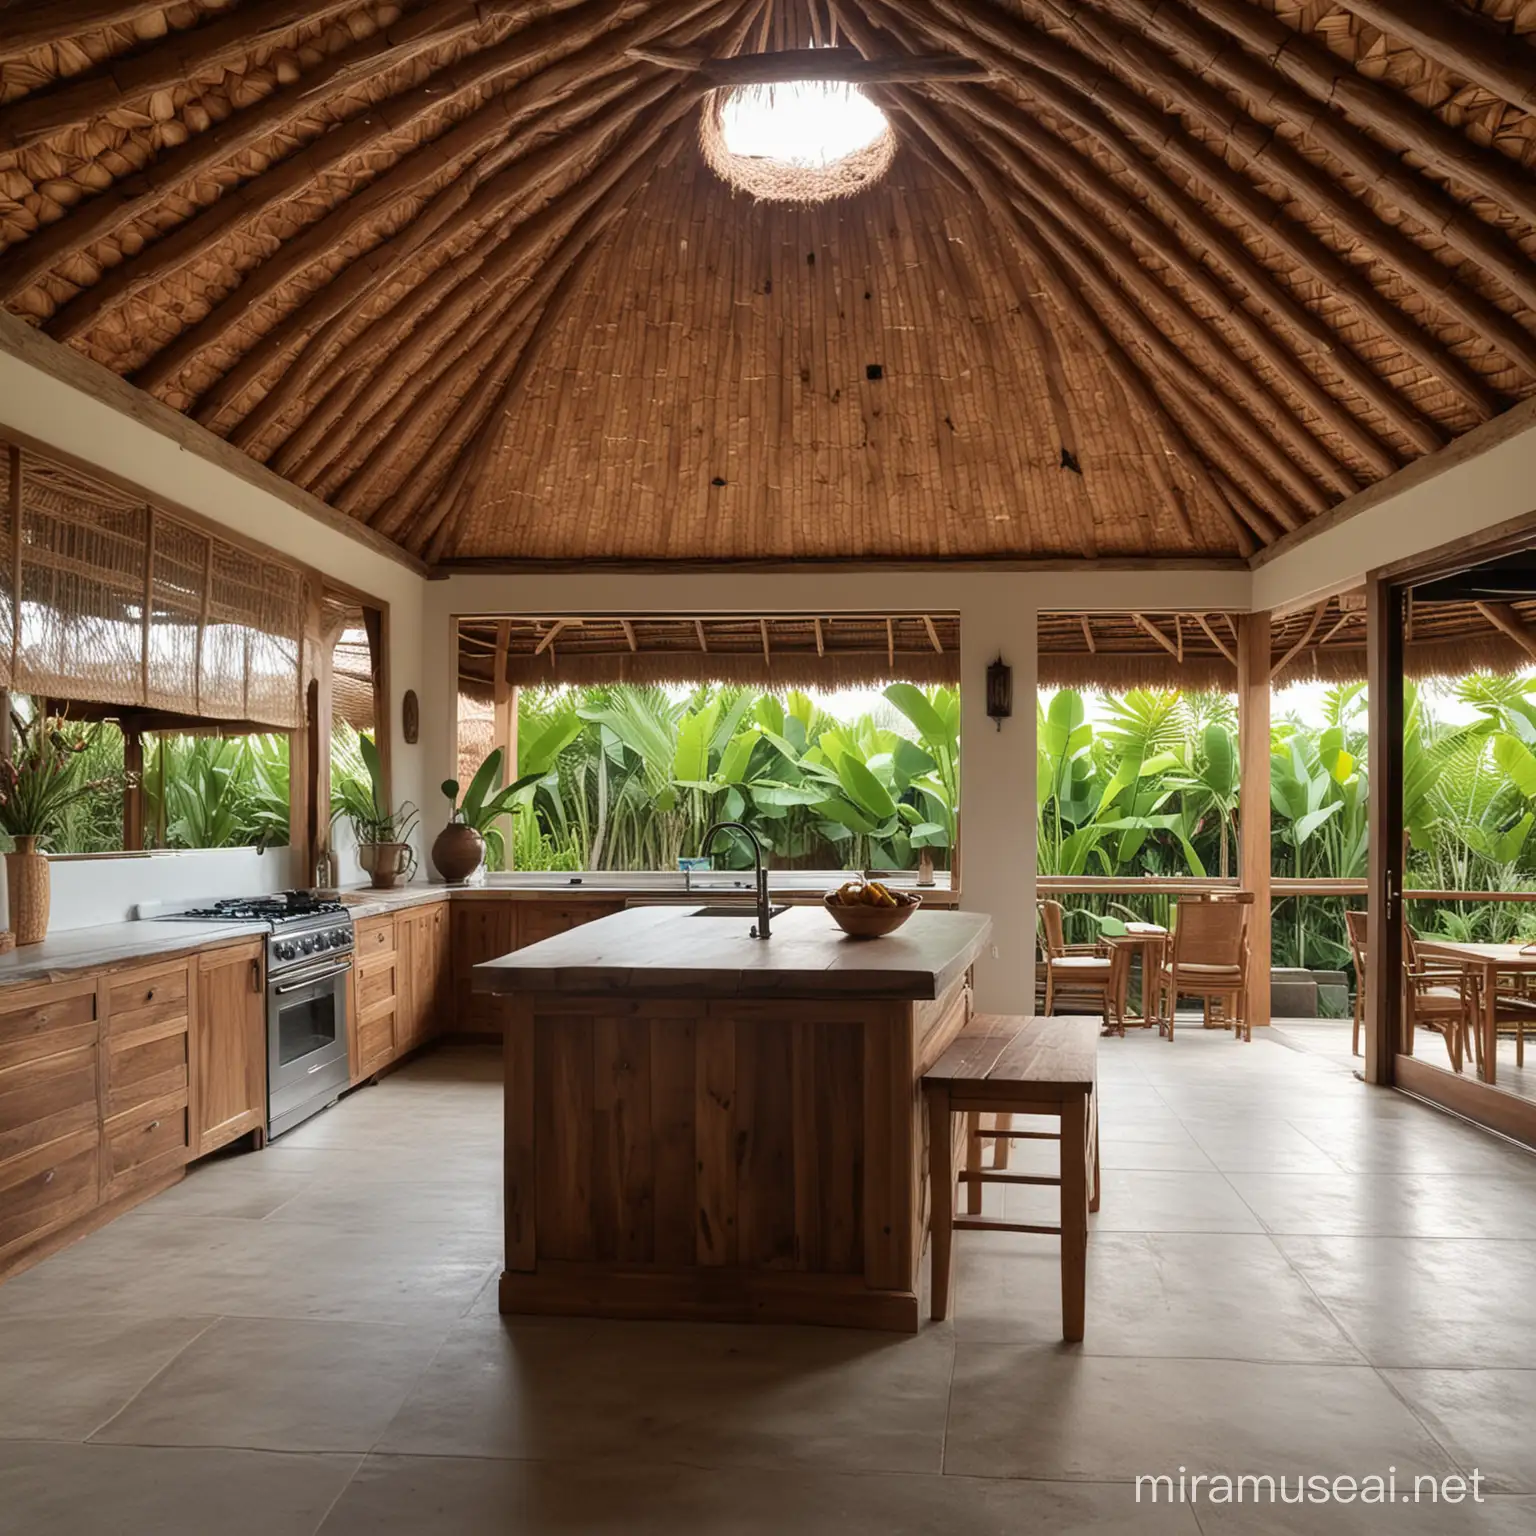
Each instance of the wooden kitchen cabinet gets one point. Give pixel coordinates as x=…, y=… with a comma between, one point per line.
x=229, y=1047
x=482, y=930
x=146, y=1074
x=422, y=942
x=50, y=1162
x=375, y=994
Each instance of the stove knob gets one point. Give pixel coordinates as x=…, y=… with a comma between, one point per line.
x=322, y=941
x=285, y=950
x=307, y=944
x=339, y=937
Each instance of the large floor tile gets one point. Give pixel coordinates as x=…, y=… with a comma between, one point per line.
x=711, y=1395
x=61, y=1378
x=117, y=1490
x=1027, y=1412
x=1148, y=1294
x=1483, y=1418
x=1389, y=1204
x=1260, y=1146
x=1141, y=1200
x=280, y=1385
x=430, y=1496
x=1426, y=1301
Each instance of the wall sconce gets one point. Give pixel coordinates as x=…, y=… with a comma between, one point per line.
x=999, y=691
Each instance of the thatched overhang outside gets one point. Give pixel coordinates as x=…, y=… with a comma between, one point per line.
x=766, y=651
x=1162, y=281
x=1111, y=652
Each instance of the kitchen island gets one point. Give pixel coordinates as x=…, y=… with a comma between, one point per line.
x=700, y=1124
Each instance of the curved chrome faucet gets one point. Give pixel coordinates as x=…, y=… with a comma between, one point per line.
x=760, y=929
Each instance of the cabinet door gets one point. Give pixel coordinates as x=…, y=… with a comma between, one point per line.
x=146, y=1045
x=483, y=929
x=377, y=983
x=229, y=1047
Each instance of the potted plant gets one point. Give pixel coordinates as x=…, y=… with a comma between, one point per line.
x=383, y=836
x=461, y=847
x=41, y=778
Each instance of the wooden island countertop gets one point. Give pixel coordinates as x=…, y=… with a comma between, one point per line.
x=659, y=951
x=700, y=1124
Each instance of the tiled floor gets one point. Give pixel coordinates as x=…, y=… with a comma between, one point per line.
x=1292, y=1274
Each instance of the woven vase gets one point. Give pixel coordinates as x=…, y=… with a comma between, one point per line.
x=27, y=880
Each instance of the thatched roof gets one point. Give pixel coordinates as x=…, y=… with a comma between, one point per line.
x=1326, y=643
x=777, y=651
x=1141, y=280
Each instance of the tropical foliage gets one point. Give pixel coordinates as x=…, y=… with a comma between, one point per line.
x=631, y=778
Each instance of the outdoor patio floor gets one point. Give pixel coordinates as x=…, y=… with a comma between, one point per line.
x=1292, y=1273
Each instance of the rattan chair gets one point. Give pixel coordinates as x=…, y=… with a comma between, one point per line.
x=1444, y=999
x=1209, y=960
x=1077, y=970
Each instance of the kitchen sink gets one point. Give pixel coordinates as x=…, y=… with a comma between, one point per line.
x=736, y=909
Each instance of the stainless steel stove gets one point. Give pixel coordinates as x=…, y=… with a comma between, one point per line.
x=309, y=954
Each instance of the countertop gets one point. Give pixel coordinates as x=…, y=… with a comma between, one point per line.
x=88, y=949
x=667, y=951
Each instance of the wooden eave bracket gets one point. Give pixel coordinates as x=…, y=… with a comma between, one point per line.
x=781, y=66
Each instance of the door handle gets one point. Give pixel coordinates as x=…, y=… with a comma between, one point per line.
x=309, y=980
x=256, y=975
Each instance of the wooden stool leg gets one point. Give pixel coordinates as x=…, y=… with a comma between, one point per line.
x=1002, y=1148
x=1093, y=1198
x=941, y=1177
x=972, y=1163
x=1074, y=1216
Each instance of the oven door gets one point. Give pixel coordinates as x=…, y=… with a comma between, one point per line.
x=306, y=1042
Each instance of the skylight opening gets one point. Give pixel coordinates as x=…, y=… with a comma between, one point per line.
x=802, y=141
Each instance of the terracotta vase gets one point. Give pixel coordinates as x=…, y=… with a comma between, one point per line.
x=27, y=879
x=385, y=864
x=458, y=852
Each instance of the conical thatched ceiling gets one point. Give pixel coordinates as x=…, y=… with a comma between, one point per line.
x=1144, y=278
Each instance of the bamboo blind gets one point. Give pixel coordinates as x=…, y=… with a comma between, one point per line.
x=108, y=599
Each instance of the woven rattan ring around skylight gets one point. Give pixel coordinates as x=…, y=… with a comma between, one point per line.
x=804, y=141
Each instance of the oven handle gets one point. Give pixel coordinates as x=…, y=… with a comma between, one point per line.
x=310, y=977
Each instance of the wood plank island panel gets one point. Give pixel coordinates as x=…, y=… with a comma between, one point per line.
x=717, y=1156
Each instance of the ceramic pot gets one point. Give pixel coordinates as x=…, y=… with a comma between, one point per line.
x=28, y=881
x=458, y=852
x=385, y=864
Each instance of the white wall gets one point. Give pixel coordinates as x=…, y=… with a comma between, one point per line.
x=41, y=395
x=87, y=892
x=997, y=612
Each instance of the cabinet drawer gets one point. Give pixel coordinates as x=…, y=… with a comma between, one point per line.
x=42, y=1100
x=43, y=1022
x=148, y=995
x=50, y=1186
x=374, y=938
x=153, y=1138
x=375, y=1042
x=375, y=986
x=147, y=1064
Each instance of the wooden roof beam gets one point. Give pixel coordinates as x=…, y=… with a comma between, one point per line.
x=783, y=66
x=1150, y=124
x=1460, y=41
x=629, y=635
x=1179, y=209
x=933, y=634
x=1143, y=622
x=1306, y=639
x=1215, y=639
x=1329, y=79
x=762, y=625
x=698, y=629
x=225, y=39
x=1088, y=640
x=41, y=22
x=143, y=194
x=1505, y=617
x=552, y=633
x=1378, y=167
x=474, y=198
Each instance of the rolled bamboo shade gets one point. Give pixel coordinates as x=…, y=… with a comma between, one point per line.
x=107, y=599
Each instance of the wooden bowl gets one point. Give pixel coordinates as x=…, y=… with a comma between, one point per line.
x=871, y=922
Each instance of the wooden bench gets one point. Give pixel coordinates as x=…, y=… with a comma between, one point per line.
x=1004, y=1065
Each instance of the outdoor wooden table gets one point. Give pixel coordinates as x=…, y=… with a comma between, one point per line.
x=1488, y=962
x=1148, y=940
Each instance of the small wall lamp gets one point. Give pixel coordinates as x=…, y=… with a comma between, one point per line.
x=999, y=691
